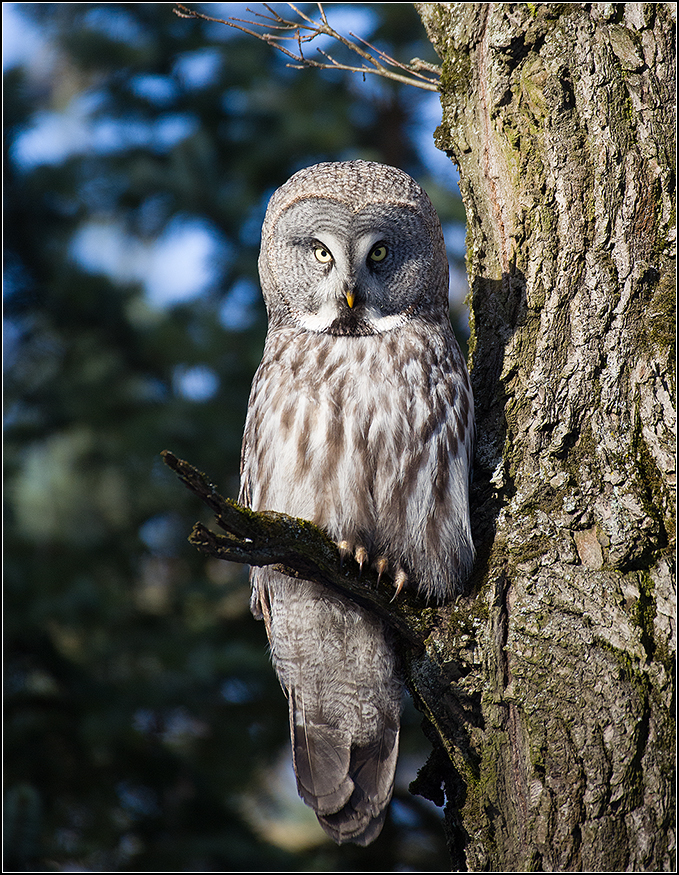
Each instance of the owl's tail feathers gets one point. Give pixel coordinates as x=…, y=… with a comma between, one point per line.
x=372, y=771
x=348, y=787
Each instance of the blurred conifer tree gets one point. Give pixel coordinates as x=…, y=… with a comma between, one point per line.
x=144, y=725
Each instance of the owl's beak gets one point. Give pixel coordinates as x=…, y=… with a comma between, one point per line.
x=351, y=297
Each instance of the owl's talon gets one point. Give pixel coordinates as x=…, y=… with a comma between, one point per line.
x=381, y=564
x=399, y=582
x=361, y=556
x=344, y=550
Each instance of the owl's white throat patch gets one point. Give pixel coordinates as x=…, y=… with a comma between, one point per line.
x=351, y=323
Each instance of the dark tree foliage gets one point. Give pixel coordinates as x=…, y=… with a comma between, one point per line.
x=143, y=722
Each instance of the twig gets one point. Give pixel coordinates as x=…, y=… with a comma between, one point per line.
x=280, y=29
x=299, y=549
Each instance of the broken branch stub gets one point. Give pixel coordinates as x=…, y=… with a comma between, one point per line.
x=299, y=549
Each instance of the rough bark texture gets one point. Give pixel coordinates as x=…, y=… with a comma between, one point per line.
x=550, y=689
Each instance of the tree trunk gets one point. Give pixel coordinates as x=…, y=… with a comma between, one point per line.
x=550, y=690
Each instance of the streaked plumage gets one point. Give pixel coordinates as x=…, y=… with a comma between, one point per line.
x=360, y=419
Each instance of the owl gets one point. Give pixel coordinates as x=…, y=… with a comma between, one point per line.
x=360, y=419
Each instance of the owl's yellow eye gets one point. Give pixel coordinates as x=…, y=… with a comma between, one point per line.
x=379, y=253
x=322, y=254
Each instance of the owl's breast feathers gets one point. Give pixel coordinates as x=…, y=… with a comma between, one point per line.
x=371, y=438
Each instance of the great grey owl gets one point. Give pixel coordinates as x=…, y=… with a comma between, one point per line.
x=360, y=419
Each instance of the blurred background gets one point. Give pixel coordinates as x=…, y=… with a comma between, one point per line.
x=144, y=727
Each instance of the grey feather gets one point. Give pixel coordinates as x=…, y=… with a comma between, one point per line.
x=361, y=419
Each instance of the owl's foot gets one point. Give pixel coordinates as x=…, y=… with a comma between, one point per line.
x=380, y=564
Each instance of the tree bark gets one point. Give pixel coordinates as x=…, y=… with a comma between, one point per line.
x=550, y=689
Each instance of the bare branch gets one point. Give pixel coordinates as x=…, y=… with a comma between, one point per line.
x=279, y=29
x=299, y=549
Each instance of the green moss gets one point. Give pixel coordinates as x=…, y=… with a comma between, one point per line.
x=533, y=549
x=644, y=613
x=455, y=71
x=581, y=458
x=651, y=485
x=467, y=616
x=629, y=670
x=482, y=794
x=661, y=314
x=532, y=103
x=633, y=782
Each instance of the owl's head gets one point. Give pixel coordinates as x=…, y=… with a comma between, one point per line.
x=352, y=248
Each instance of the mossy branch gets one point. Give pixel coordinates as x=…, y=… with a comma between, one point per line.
x=299, y=549
x=305, y=29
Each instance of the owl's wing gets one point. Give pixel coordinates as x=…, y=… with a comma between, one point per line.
x=348, y=785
